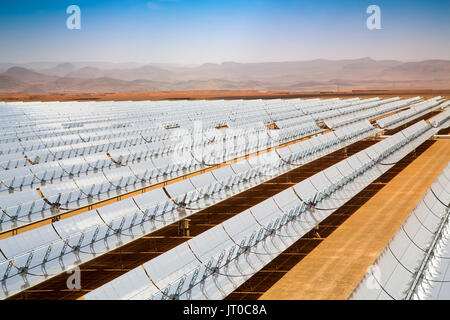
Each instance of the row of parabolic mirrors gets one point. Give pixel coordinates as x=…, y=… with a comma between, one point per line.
x=60, y=157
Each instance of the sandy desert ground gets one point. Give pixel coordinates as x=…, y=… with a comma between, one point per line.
x=216, y=94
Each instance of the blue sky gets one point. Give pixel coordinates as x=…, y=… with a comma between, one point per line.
x=199, y=31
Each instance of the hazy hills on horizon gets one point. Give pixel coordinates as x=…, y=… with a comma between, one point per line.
x=319, y=74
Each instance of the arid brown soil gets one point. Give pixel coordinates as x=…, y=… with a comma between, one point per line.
x=216, y=94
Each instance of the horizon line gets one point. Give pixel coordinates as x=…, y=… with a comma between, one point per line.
x=217, y=63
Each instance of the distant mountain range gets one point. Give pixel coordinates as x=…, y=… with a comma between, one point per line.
x=320, y=74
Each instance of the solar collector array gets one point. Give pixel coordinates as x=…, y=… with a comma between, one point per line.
x=415, y=111
x=213, y=264
x=106, y=223
x=157, y=208
x=411, y=267
x=62, y=172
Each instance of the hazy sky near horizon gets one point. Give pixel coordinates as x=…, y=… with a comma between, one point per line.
x=199, y=31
